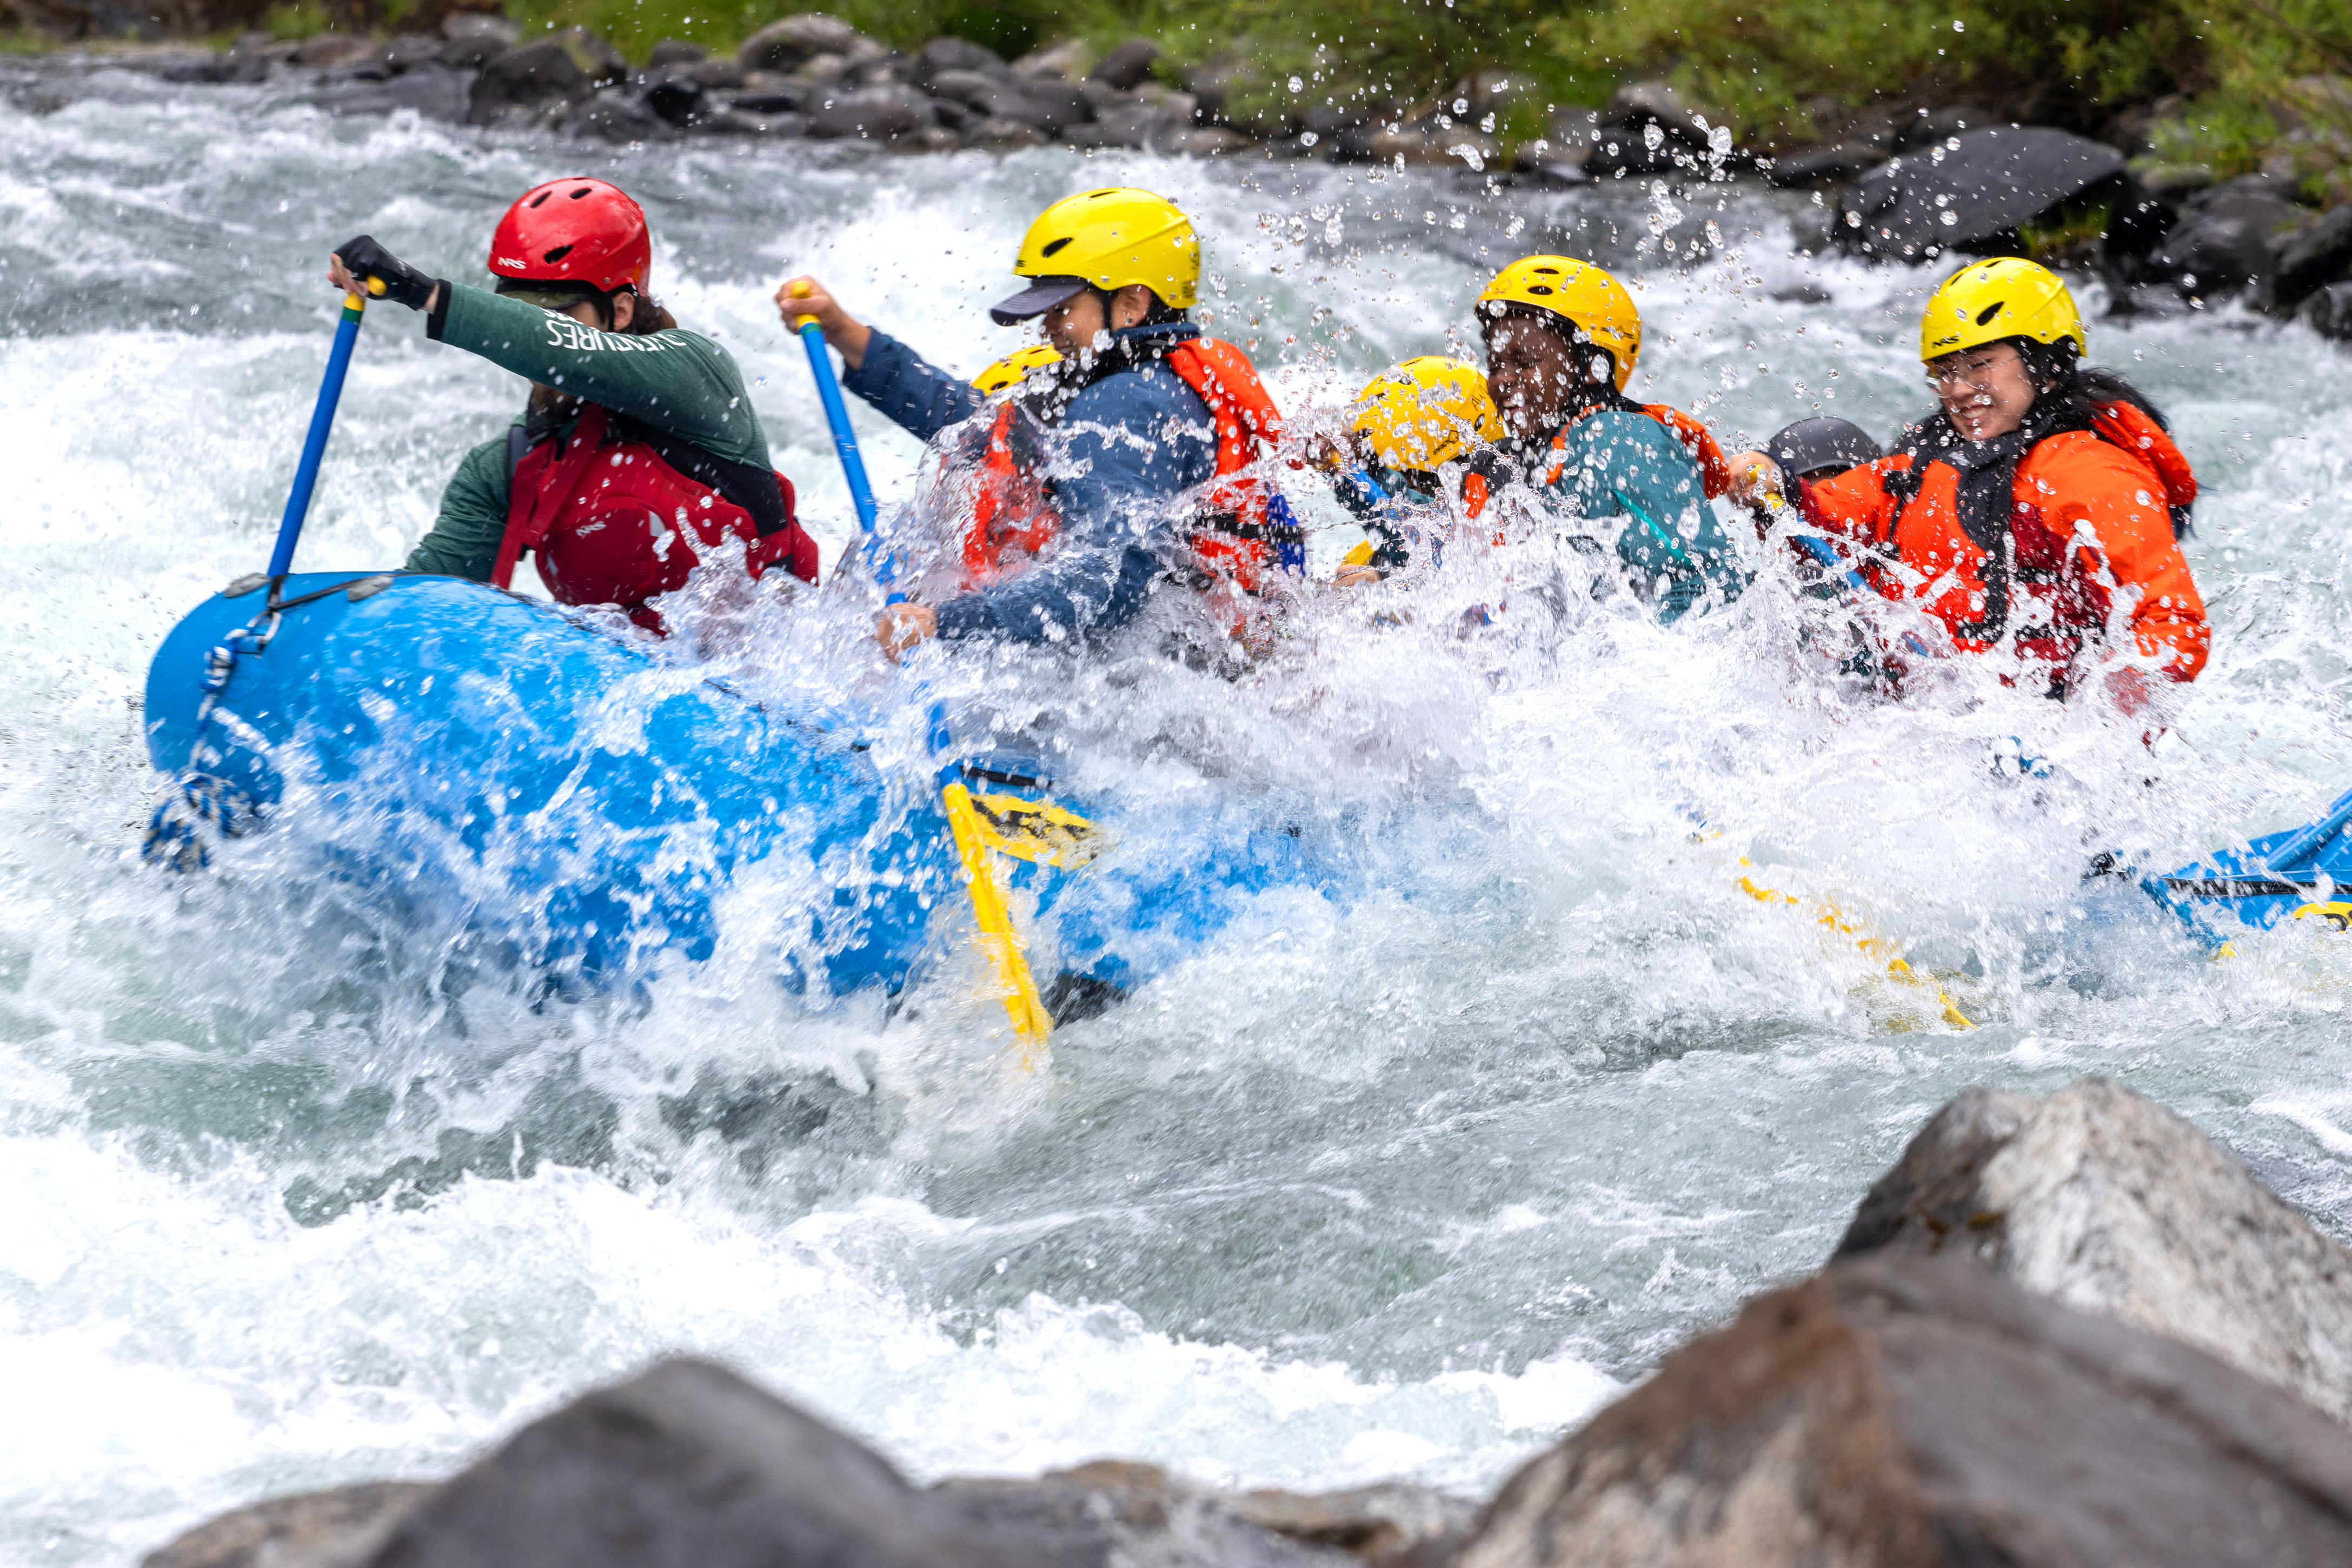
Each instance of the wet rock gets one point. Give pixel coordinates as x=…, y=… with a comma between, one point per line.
x=2113, y=1205
x=1129, y=65
x=538, y=76
x=929, y=138
x=2309, y=260
x=470, y=39
x=794, y=41
x=1053, y=106
x=314, y=1529
x=1971, y=189
x=1916, y=1412
x=1824, y=168
x=1206, y=142
x=784, y=101
x=736, y=121
x=2224, y=238
x=333, y=49
x=869, y=114
x=687, y=1464
x=2329, y=313
x=406, y=51
x=723, y=74
x=677, y=99
x=1641, y=103
x=1068, y=60
x=433, y=91
x=676, y=52
x=2173, y=181
x=995, y=133
x=950, y=54
x=1137, y=128
x=970, y=88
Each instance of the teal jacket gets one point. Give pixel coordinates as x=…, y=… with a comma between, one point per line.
x=678, y=382
x=1621, y=465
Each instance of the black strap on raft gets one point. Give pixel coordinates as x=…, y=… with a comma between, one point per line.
x=746, y=485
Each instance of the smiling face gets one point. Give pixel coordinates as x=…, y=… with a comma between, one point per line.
x=1535, y=374
x=1986, y=392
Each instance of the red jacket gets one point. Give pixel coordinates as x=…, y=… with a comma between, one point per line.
x=2090, y=527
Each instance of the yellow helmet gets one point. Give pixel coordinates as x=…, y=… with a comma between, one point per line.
x=1109, y=239
x=1427, y=411
x=1010, y=370
x=1591, y=301
x=2006, y=298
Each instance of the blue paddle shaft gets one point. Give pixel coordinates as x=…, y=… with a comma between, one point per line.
x=322, y=422
x=836, y=415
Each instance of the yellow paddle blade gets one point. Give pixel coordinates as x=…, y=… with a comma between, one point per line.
x=997, y=937
x=1874, y=947
x=1036, y=830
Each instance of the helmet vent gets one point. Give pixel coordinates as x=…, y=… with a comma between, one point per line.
x=1539, y=288
x=558, y=254
x=1056, y=245
x=540, y=198
x=581, y=191
x=1989, y=312
x=1547, y=272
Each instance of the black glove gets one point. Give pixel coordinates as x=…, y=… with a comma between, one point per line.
x=371, y=263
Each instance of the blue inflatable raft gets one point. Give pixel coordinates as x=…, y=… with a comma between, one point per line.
x=2302, y=874
x=502, y=763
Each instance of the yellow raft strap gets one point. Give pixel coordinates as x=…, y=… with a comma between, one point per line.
x=1002, y=943
x=1874, y=946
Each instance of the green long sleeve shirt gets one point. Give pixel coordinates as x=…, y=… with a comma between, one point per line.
x=675, y=380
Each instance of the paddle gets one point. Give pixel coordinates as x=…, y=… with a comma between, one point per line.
x=322, y=422
x=977, y=837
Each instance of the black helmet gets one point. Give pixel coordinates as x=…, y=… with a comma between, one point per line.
x=1812, y=444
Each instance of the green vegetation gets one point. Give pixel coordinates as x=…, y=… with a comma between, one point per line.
x=2228, y=84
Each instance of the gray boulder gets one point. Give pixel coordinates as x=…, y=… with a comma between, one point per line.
x=433, y=91
x=1135, y=128
x=1052, y=107
x=2225, y=236
x=1971, y=189
x=618, y=114
x=1920, y=1413
x=2310, y=258
x=970, y=88
x=406, y=51
x=470, y=39
x=869, y=114
x=676, y=52
x=1127, y=67
x=782, y=45
x=538, y=76
x=2329, y=313
x=333, y=49
x=950, y=54
x=1824, y=167
x=995, y=133
x=2112, y=1205
x=330, y=1528
x=725, y=73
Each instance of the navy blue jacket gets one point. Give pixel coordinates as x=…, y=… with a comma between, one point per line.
x=1129, y=443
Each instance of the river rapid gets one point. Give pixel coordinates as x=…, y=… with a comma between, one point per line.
x=1405, y=1182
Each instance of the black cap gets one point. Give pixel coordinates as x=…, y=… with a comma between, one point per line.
x=1813, y=444
x=1035, y=300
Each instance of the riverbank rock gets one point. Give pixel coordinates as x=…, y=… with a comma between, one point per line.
x=2227, y=238
x=2110, y=1204
x=1971, y=189
x=794, y=41
x=544, y=74
x=1914, y=1412
x=331, y=1529
x=2310, y=258
x=688, y=1463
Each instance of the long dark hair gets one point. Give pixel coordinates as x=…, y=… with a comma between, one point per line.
x=2066, y=394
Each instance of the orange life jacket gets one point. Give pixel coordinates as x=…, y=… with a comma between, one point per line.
x=616, y=523
x=1232, y=535
x=2090, y=516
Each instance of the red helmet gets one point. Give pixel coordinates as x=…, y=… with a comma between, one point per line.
x=574, y=230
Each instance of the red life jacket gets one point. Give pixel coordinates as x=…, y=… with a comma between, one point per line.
x=616, y=523
x=1012, y=518
x=1232, y=535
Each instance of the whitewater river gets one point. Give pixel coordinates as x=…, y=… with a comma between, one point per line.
x=1405, y=1183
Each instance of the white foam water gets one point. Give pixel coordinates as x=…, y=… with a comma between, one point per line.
x=1404, y=1177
